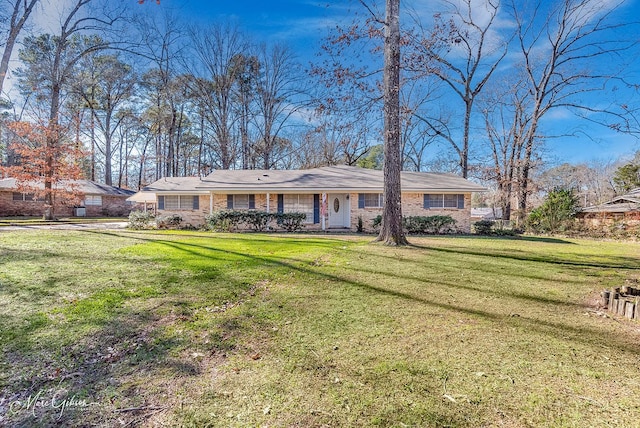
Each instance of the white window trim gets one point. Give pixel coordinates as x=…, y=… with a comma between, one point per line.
x=90, y=200
x=380, y=200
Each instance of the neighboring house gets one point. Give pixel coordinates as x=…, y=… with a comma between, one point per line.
x=331, y=197
x=96, y=200
x=486, y=213
x=143, y=200
x=625, y=208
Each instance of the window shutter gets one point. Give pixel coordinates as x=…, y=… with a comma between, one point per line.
x=229, y=202
x=280, y=203
x=196, y=202
x=252, y=202
x=460, y=202
x=360, y=200
x=426, y=201
x=316, y=209
x=160, y=202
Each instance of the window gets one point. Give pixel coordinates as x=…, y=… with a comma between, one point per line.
x=178, y=202
x=299, y=204
x=443, y=201
x=370, y=200
x=93, y=200
x=241, y=202
x=26, y=197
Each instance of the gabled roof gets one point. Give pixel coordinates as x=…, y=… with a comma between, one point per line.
x=176, y=185
x=332, y=178
x=620, y=204
x=633, y=197
x=86, y=187
x=143, y=198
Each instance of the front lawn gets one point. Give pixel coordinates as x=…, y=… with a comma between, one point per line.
x=197, y=329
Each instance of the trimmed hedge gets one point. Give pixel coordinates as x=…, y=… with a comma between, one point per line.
x=139, y=220
x=169, y=221
x=424, y=225
x=258, y=221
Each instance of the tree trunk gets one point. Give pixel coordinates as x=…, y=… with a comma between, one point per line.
x=391, y=232
x=51, y=142
x=93, y=148
x=108, y=155
x=523, y=189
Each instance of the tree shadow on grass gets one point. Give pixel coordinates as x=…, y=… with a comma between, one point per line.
x=156, y=356
x=108, y=352
x=557, y=330
x=617, y=263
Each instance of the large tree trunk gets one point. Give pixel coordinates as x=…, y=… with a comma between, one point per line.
x=391, y=232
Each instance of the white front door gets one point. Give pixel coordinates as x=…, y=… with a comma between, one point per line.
x=339, y=212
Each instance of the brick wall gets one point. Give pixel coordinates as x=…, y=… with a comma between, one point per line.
x=115, y=206
x=412, y=205
x=190, y=216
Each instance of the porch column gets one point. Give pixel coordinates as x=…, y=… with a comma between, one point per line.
x=210, y=202
x=323, y=210
x=268, y=202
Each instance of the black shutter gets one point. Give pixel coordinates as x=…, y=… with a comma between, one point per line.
x=360, y=200
x=252, y=202
x=160, y=202
x=196, y=202
x=229, y=202
x=280, y=203
x=460, y=202
x=426, y=201
x=316, y=209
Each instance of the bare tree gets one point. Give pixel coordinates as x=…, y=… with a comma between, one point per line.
x=105, y=90
x=161, y=44
x=463, y=52
x=12, y=23
x=216, y=51
x=565, y=56
x=278, y=91
x=506, y=118
x=52, y=61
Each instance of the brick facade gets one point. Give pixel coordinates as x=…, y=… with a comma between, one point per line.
x=412, y=205
x=112, y=206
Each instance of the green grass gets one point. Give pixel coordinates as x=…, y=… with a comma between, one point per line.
x=38, y=221
x=198, y=329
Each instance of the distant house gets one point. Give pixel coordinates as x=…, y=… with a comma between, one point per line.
x=624, y=208
x=486, y=213
x=96, y=200
x=332, y=197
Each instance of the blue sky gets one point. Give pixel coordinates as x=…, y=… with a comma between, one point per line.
x=302, y=24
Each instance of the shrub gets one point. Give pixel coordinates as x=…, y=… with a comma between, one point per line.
x=258, y=220
x=483, y=227
x=230, y=221
x=376, y=222
x=291, y=222
x=360, y=227
x=139, y=220
x=223, y=221
x=169, y=221
x=435, y=224
x=555, y=214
